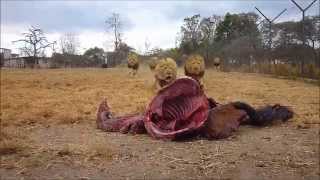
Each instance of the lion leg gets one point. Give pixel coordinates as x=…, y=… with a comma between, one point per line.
x=156, y=86
x=201, y=83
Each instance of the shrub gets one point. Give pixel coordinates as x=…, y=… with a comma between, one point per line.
x=311, y=71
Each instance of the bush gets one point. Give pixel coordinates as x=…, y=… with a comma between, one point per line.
x=246, y=68
x=287, y=70
x=311, y=71
x=104, y=65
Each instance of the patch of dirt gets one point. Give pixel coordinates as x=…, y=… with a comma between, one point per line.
x=71, y=152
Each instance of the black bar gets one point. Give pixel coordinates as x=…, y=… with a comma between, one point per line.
x=310, y=5
x=278, y=15
x=263, y=14
x=297, y=5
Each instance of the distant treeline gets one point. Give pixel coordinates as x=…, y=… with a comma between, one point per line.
x=243, y=43
x=93, y=57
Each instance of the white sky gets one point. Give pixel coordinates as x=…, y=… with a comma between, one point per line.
x=157, y=21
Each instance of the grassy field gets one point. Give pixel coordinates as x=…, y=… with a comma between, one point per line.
x=72, y=95
x=44, y=111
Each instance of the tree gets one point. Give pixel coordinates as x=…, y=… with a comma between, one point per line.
x=223, y=30
x=147, y=45
x=175, y=54
x=236, y=25
x=312, y=29
x=287, y=34
x=115, y=25
x=69, y=43
x=123, y=52
x=34, y=43
x=191, y=34
x=95, y=56
x=208, y=26
x=289, y=44
x=238, y=37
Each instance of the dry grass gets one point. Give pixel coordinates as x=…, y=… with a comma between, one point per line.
x=9, y=147
x=72, y=95
x=11, y=142
x=100, y=151
x=90, y=150
x=284, y=70
x=37, y=107
x=259, y=90
x=66, y=96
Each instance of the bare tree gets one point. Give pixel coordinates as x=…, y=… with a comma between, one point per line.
x=114, y=24
x=147, y=45
x=69, y=43
x=191, y=33
x=208, y=26
x=34, y=43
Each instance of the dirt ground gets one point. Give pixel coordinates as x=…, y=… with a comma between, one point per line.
x=48, y=129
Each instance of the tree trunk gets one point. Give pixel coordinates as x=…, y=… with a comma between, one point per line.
x=35, y=60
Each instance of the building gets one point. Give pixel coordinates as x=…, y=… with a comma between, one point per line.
x=26, y=62
x=14, y=55
x=5, y=53
x=112, y=59
x=18, y=62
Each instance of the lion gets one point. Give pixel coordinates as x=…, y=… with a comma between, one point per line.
x=133, y=63
x=217, y=62
x=195, y=68
x=165, y=72
x=153, y=63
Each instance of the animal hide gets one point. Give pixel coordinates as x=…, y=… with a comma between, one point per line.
x=125, y=124
x=223, y=121
x=182, y=109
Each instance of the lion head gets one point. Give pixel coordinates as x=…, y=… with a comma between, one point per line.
x=194, y=66
x=153, y=63
x=133, y=61
x=165, y=71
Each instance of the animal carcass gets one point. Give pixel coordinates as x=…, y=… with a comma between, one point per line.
x=182, y=109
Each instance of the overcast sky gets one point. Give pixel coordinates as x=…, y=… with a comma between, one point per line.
x=157, y=21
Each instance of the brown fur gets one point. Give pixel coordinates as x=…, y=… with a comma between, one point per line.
x=165, y=72
x=153, y=63
x=217, y=62
x=223, y=121
x=133, y=63
x=195, y=68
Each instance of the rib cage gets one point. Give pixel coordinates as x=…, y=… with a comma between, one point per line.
x=179, y=109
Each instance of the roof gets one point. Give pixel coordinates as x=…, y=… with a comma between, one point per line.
x=5, y=49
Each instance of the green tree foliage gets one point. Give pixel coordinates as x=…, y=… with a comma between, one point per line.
x=69, y=60
x=197, y=35
x=211, y=36
x=237, y=25
x=95, y=56
x=289, y=46
x=237, y=37
x=224, y=28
